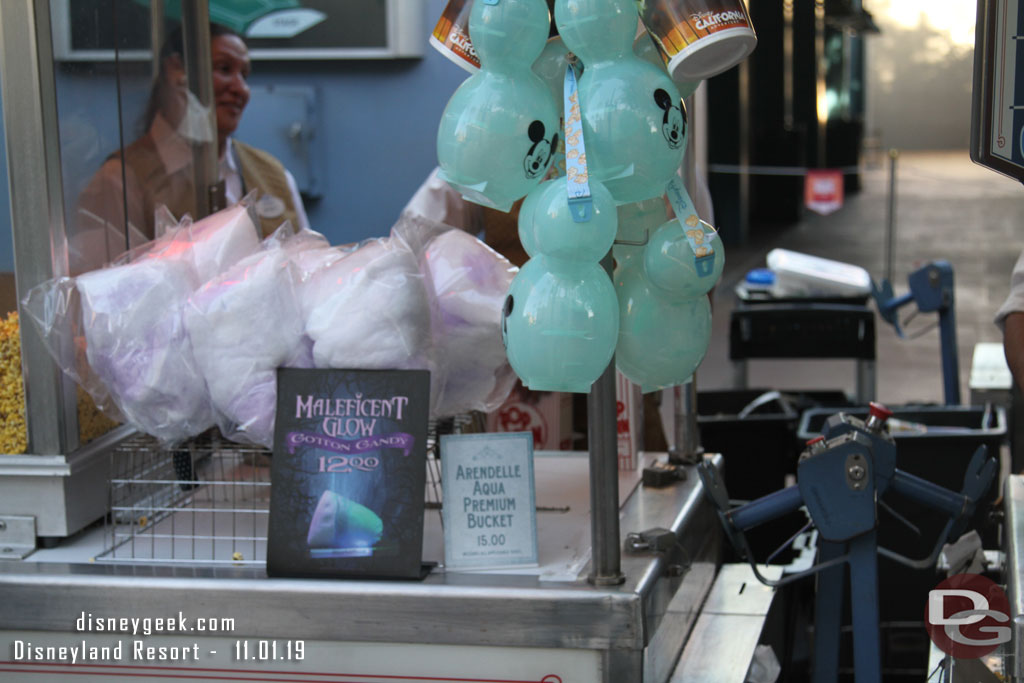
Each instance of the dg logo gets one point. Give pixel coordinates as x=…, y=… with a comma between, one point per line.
x=968, y=616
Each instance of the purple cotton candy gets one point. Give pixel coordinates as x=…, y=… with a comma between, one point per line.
x=243, y=325
x=136, y=344
x=469, y=282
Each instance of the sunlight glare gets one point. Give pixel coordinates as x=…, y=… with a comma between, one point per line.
x=953, y=17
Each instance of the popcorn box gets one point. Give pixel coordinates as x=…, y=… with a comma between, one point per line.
x=547, y=415
x=629, y=419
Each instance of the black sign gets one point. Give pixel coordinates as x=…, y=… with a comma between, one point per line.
x=348, y=473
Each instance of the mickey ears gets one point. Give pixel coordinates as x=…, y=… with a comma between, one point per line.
x=663, y=99
x=536, y=131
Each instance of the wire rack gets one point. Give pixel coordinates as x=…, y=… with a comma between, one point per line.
x=208, y=501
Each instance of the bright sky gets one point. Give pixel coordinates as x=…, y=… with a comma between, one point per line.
x=955, y=17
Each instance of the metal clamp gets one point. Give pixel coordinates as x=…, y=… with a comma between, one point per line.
x=17, y=537
x=654, y=540
x=661, y=474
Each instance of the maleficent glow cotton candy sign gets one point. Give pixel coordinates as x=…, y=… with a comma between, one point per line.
x=349, y=461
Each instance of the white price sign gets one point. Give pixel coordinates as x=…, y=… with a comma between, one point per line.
x=490, y=518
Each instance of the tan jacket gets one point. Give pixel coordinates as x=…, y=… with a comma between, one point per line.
x=259, y=169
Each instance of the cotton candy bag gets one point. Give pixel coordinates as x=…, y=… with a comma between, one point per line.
x=242, y=326
x=137, y=346
x=119, y=331
x=133, y=318
x=469, y=281
x=367, y=308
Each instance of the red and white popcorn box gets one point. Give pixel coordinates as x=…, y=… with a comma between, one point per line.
x=629, y=419
x=548, y=415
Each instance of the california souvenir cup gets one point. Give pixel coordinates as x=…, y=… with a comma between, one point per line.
x=701, y=38
x=451, y=35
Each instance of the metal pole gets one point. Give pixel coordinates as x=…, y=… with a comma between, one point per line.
x=828, y=613
x=867, y=646
x=195, y=25
x=37, y=210
x=156, y=34
x=950, y=354
x=606, y=562
x=866, y=384
x=890, y=223
x=686, y=447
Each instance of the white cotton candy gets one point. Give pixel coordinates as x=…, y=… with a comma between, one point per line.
x=221, y=240
x=243, y=325
x=367, y=308
x=136, y=344
x=210, y=246
x=134, y=327
x=470, y=281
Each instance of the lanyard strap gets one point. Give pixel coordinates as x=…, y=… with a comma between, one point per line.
x=699, y=234
x=576, y=178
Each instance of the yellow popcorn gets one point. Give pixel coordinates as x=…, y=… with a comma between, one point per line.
x=91, y=422
x=13, y=432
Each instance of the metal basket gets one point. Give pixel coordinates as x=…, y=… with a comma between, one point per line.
x=205, y=502
x=208, y=500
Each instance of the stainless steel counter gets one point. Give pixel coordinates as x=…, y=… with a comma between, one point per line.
x=455, y=625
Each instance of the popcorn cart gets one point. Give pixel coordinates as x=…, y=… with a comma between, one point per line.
x=123, y=557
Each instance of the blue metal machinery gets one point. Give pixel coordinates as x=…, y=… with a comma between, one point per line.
x=840, y=479
x=931, y=288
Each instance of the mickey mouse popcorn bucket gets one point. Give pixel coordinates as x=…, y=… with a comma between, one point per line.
x=700, y=38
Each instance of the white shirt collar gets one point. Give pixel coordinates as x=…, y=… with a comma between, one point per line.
x=174, y=150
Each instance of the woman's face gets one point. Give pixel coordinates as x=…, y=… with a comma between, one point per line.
x=231, y=68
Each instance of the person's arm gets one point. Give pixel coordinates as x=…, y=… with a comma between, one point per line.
x=1013, y=346
x=1010, y=319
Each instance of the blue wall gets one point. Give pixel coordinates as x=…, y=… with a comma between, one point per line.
x=378, y=124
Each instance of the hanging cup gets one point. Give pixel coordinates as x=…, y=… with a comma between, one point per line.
x=701, y=38
x=451, y=35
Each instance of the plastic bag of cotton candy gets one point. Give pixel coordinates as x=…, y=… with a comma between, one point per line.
x=468, y=281
x=243, y=325
x=366, y=306
x=129, y=317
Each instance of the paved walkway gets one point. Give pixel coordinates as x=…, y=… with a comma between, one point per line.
x=947, y=208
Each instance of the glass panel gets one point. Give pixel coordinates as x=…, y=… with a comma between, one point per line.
x=101, y=106
x=126, y=128
x=130, y=124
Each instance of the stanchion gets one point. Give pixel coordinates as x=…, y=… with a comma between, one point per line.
x=602, y=441
x=686, y=449
x=890, y=223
